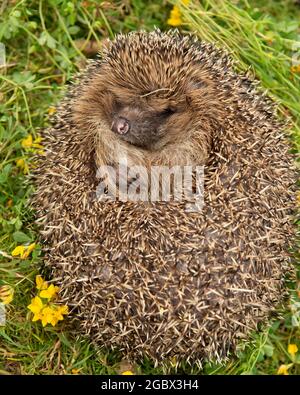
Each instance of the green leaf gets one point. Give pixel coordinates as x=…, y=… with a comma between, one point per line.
x=74, y=29
x=43, y=38
x=51, y=42
x=21, y=237
x=268, y=350
x=295, y=320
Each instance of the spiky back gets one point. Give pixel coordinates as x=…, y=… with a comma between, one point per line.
x=152, y=279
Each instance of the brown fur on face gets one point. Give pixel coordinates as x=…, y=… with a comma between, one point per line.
x=170, y=105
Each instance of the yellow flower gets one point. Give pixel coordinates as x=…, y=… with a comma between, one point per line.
x=50, y=292
x=28, y=251
x=52, y=314
x=75, y=371
x=44, y=310
x=6, y=294
x=51, y=110
x=36, y=306
x=23, y=251
x=41, y=283
x=175, y=17
x=173, y=361
x=283, y=369
x=292, y=349
x=9, y=203
x=127, y=373
x=36, y=143
x=38, y=140
x=54, y=320
x=22, y=165
x=295, y=69
x=62, y=310
x=27, y=142
x=48, y=316
x=19, y=250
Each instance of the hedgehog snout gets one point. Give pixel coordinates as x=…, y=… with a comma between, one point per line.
x=120, y=125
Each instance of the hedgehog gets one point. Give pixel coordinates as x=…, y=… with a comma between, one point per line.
x=151, y=278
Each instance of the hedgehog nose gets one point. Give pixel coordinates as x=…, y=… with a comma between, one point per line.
x=121, y=125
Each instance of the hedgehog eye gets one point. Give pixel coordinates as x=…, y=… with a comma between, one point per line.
x=168, y=111
x=117, y=105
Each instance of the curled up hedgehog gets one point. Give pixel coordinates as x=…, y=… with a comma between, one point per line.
x=153, y=278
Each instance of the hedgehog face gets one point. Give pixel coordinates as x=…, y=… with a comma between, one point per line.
x=149, y=119
x=145, y=118
x=151, y=95
x=139, y=124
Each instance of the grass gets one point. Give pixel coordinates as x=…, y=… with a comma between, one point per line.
x=46, y=42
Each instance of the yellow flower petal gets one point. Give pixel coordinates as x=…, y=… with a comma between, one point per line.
x=47, y=315
x=19, y=250
x=36, y=317
x=6, y=294
x=31, y=247
x=283, y=369
x=8, y=299
x=173, y=361
x=27, y=142
x=44, y=321
x=23, y=251
x=50, y=292
x=75, y=371
x=36, y=305
x=41, y=283
x=54, y=321
x=22, y=165
x=27, y=250
x=295, y=69
x=38, y=140
x=51, y=110
x=62, y=310
x=25, y=254
x=175, y=17
x=174, y=22
x=292, y=349
x=35, y=145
